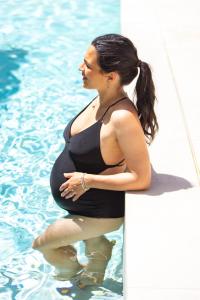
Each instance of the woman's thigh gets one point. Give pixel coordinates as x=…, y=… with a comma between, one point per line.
x=73, y=228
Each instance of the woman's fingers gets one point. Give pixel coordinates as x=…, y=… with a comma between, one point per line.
x=68, y=194
x=75, y=198
x=63, y=186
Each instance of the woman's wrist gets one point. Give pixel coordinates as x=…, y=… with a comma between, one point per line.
x=88, y=179
x=85, y=182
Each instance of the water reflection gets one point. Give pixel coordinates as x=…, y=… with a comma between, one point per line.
x=10, y=61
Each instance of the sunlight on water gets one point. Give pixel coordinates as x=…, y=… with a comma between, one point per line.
x=42, y=44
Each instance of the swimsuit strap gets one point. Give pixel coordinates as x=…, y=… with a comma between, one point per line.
x=119, y=164
x=112, y=105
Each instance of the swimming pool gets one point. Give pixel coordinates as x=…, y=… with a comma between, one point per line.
x=41, y=46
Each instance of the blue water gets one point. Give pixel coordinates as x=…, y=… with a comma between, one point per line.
x=42, y=44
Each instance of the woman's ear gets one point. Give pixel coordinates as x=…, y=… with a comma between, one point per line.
x=112, y=76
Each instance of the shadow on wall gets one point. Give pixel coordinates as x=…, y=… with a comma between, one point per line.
x=10, y=61
x=165, y=183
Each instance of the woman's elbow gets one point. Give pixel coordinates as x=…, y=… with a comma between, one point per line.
x=147, y=181
x=147, y=185
x=141, y=183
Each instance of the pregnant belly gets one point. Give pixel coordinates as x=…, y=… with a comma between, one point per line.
x=93, y=203
x=63, y=164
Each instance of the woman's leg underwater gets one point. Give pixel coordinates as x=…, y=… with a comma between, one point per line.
x=99, y=252
x=55, y=242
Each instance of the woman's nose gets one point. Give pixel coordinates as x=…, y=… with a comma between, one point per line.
x=81, y=67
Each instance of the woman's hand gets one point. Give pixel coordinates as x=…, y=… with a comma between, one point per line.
x=73, y=188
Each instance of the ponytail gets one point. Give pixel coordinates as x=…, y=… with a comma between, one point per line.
x=145, y=93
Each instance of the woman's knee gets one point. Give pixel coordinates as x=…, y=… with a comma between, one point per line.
x=36, y=244
x=59, y=234
x=47, y=240
x=39, y=244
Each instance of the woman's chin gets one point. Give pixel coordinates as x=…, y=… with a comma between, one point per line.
x=85, y=85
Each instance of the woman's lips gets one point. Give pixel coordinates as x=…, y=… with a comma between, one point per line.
x=84, y=78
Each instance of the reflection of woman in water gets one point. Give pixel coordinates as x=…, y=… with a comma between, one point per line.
x=104, y=156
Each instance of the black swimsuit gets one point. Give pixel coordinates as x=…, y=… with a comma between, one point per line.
x=82, y=154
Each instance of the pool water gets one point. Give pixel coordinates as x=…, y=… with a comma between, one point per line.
x=42, y=44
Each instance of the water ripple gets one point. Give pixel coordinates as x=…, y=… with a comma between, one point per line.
x=41, y=47
x=13, y=240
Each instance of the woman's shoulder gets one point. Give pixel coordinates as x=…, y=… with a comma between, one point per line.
x=124, y=112
x=126, y=124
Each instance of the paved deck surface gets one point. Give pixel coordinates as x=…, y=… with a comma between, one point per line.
x=162, y=226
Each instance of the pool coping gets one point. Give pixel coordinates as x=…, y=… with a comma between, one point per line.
x=175, y=154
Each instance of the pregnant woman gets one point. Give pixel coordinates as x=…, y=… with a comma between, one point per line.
x=105, y=155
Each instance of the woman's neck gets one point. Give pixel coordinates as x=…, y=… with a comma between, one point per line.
x=108, y=96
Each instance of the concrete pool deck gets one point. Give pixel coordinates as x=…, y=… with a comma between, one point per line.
x=162, y=225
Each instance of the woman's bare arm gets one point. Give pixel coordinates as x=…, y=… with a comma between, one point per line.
x=131, y=140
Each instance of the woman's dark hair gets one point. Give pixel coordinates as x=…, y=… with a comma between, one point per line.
x=117, y=53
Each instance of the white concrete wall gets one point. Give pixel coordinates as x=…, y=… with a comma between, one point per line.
x=162, y=226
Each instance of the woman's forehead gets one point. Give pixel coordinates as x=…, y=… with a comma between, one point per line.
x=91, y=55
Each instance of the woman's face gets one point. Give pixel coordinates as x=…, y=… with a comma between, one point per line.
x=93, y=77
